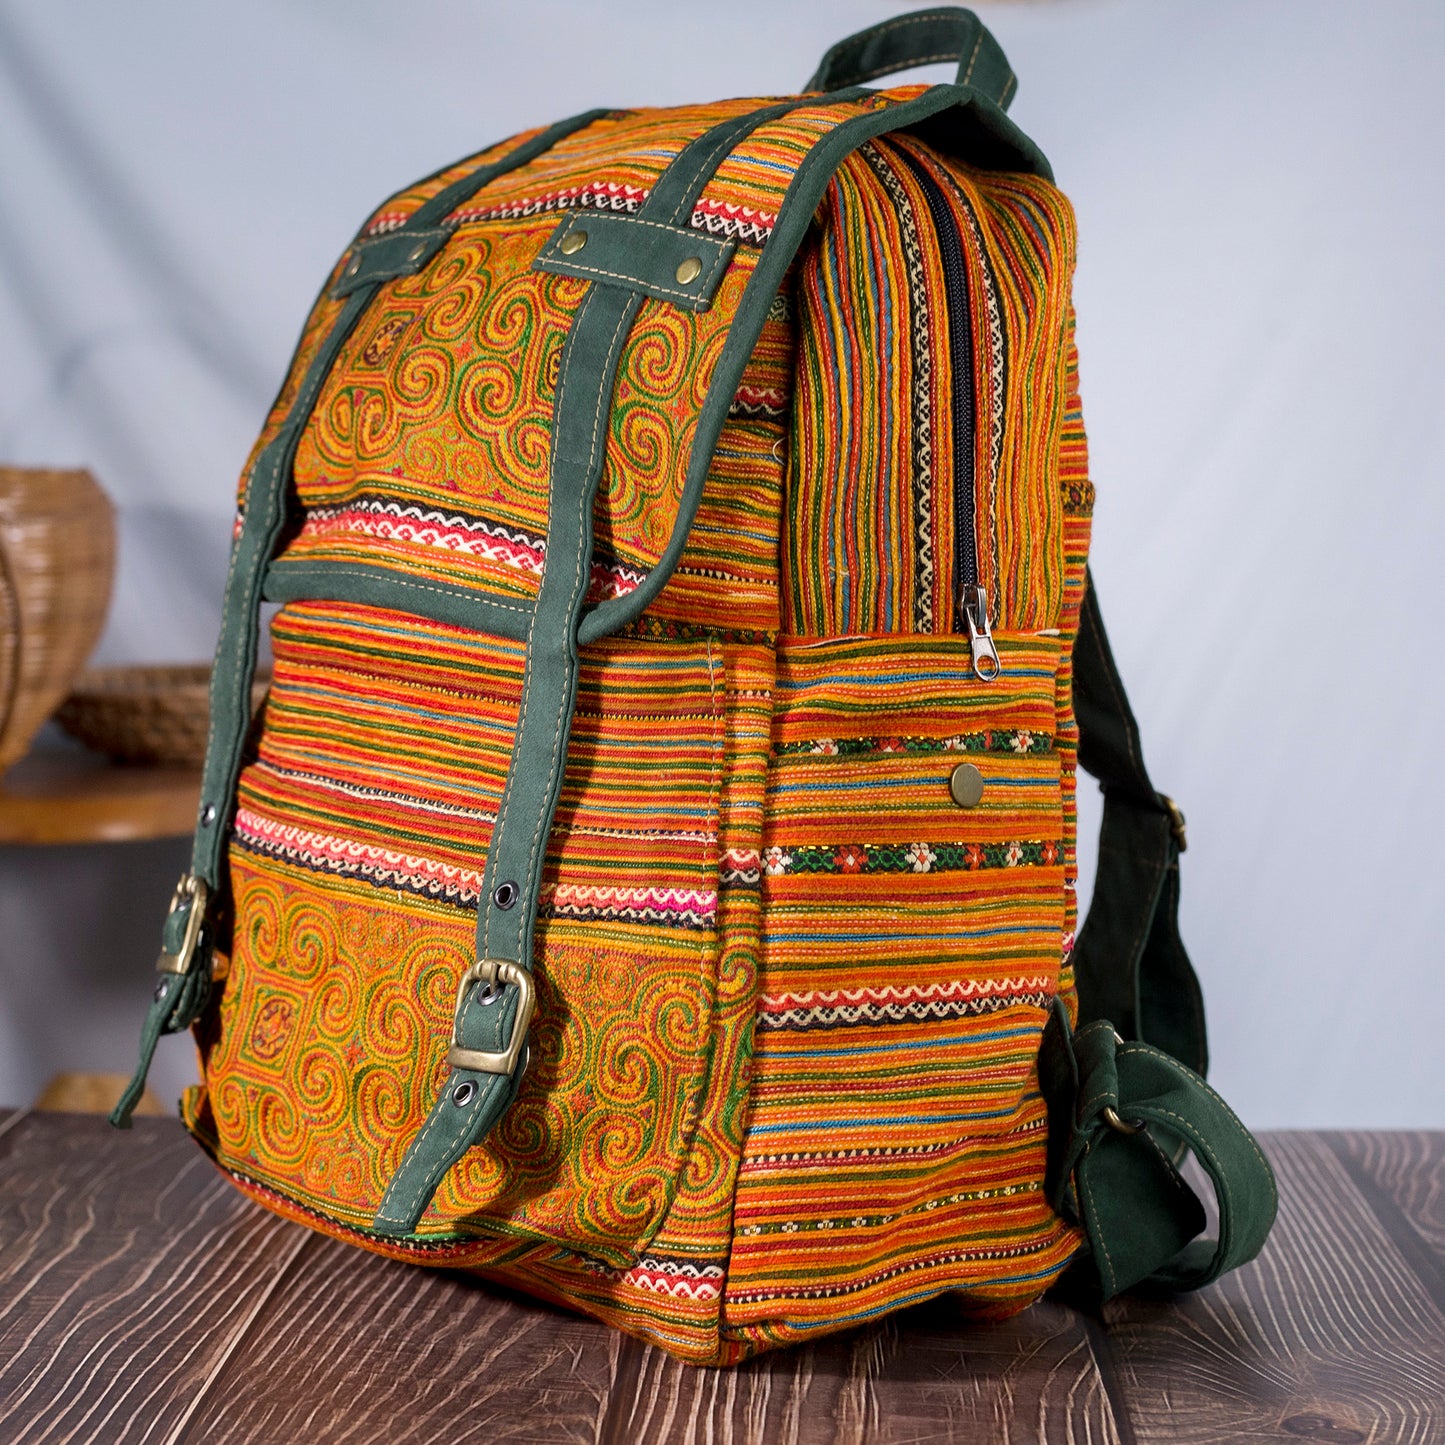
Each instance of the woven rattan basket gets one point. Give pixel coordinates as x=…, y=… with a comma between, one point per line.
x=154, y=715
x=57, y=558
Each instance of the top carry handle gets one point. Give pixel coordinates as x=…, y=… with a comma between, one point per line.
x=925, y=37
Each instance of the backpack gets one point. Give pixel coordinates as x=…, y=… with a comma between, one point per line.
x=649, y=882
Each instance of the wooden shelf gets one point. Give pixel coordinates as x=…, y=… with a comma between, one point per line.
x=65, y=795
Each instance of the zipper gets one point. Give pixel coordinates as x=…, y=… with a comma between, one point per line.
x=971, y=597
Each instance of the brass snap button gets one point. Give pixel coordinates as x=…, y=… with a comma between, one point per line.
x=689, y=271
x=572, y=242
x=966, y=785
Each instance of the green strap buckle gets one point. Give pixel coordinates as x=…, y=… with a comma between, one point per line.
x=490, y=971
x=191, y=897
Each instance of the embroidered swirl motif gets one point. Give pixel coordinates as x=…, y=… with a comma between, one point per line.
x=725, y=907
x=338, y=1006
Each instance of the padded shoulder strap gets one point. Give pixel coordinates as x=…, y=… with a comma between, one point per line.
x=1119, y=1115
x=1125, y=1092
x=1129, y=961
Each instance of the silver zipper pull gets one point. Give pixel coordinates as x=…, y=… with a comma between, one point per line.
x=974, y=602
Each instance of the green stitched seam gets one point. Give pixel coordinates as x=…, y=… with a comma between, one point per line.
x=804, y=194
x=368, y=584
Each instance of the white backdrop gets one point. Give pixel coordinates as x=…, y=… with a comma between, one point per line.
x=1259, y=189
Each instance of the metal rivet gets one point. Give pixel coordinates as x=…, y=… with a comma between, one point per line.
x=464, y=1093
x=504, y=895
x=208, y=815
x=417, y=251
x=355, y=266
x=689, y=271
x=966, y=785
x=572, y=242
x=160, y=991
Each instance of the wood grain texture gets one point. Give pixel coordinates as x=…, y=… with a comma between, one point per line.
x=126, y=1270
x=1403, y=1177
x=374, y=1351
x=357, y=1348
x=141, y=1299
x=921, y=1376
x=1329, y=1336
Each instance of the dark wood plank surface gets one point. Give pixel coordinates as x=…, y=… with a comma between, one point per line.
x=126, y=1276
x=143, y=1300
x=1330, y=1336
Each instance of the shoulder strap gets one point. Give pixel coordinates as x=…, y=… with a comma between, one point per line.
x=183, y=983
x=1125, y=1092
x=1129, y=960
x=1121, y=1116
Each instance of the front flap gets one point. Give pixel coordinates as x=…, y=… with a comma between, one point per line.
x=423, y=474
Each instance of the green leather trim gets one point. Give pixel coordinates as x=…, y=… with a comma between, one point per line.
x=1129, y=960
x=924, y=37
x=1140, y=1216
x=375, y=259
x=638, y=254
x=372, y=585
x=176, y=1003
x=265, y=515
x=512, y=874
x=452, y=1127
x=972, y=114
x=262, y=522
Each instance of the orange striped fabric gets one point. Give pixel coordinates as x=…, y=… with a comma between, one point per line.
x=790, y=993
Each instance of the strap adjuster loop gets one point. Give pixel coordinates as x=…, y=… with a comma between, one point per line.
x=1119, y=1125
x=1176, y=821
x=490, y=971
x=191, y=891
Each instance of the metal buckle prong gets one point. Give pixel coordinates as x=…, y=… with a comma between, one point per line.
x=190, y=890
x=1176, y=821
x=489, y=970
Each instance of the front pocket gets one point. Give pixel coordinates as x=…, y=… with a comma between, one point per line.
x=361, y=830
x=911, y=948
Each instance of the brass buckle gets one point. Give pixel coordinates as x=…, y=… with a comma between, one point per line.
x=492, y=970
x=1118, y=1125
x=190, y=890
x=1176, y=821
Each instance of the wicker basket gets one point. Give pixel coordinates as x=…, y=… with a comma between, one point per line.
x=146, y=714
x=57, y=559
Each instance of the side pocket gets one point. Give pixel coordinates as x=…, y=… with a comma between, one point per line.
x=911, y=947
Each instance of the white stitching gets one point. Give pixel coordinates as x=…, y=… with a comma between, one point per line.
x=1234, y=1118
x=1081, y=1179
x=640, y=282
x=973, y=59
x=683, y=233
x=604, y=393
x=921, y=60
x=506, y=802
x=327, y=569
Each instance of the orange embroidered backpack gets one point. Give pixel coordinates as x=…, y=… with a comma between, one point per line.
x=649, y=882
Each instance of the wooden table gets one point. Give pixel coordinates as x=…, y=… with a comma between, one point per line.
x=141, y=1299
